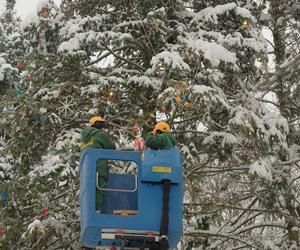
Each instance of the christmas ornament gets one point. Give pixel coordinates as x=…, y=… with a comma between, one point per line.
x=44, y=13
x=111, y=95
x=187, y=105
x=181, y=85
x=163, y=108
x=8, y=108
x=18, y=92
x=4, y=195
x=12, y=196
x=156, y=23
x=66, y=106
x=45, y=213
x=135, y=128
x=29, y=76
x=3, y=231
x=245, y=24
x=178, y=99
x=56, y=93
x=20, y=66
x=259, y=57
x=139, y=144
x=160, y=67
x=169, y=82
x=141, y=112
x=4, y=198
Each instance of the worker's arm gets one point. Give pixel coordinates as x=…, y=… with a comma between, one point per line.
x=105, y=141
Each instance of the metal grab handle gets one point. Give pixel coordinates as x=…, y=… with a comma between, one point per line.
x=115, y=189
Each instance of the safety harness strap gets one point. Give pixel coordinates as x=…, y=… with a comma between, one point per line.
x=164, y=223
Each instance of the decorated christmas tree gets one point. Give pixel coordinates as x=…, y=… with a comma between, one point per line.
x=202, y=66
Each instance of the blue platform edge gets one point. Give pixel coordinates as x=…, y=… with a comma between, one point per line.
x=149, y=196
x=161, y=165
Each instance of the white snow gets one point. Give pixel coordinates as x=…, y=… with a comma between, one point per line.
x=171, y=60
x=270, y=244
x=91, y=89
x=211, y=51
x=36, y=223
x=2, y=60
x=6, y=66
x=50, y=164
x=30, y=19
x=72, y=45
x=44, y=4
x=210, y=14
x=91, y=36
x=278, y=121
x=202, y=89
x=227, y=139
x=145, y=81
x=263, y=169
x=62, y=183
x=93, y=111
x=42, y=110
x=70, y=29
x=68, y=139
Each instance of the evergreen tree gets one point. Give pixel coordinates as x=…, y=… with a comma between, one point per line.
x=283, y=21
x=198, y=64
x=10, y=47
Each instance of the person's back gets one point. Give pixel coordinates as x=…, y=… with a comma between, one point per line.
x=160, y=138
x=95, y=137
x=92, y=137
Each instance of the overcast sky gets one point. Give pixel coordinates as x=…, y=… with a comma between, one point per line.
x=24, y=7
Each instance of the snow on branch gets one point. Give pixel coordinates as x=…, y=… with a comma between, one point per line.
x=211, y=51
x=170, y=61
x=51, y=163
x=227, y=138
x=260, y=225
x=145, y=81
x=216, y=233
x=263, y=169
x=210, y=14
x=206, y=94
x=48, y=4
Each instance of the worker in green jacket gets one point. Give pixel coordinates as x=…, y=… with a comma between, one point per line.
x=160, y=137
x=94, y=136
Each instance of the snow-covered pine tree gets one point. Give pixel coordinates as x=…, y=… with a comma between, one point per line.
x=197, y=64
x=282, y=19
x=10, y=47
x=42, y=210
x=237, y=138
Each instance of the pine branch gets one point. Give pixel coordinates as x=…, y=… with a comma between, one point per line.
x=250, y=205
x=190, y=131
x=267, y=101
x=259, y=225
x=293, y=161
x=125, y=59
x=104, y=56
x=207, y=233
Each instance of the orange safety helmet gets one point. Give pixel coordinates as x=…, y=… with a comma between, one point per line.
x=95, y=119
x=162, y=126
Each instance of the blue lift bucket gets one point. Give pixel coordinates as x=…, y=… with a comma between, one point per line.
x=141, y=193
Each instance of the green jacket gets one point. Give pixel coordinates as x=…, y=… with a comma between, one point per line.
x=160, y=141
x=95, y=138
